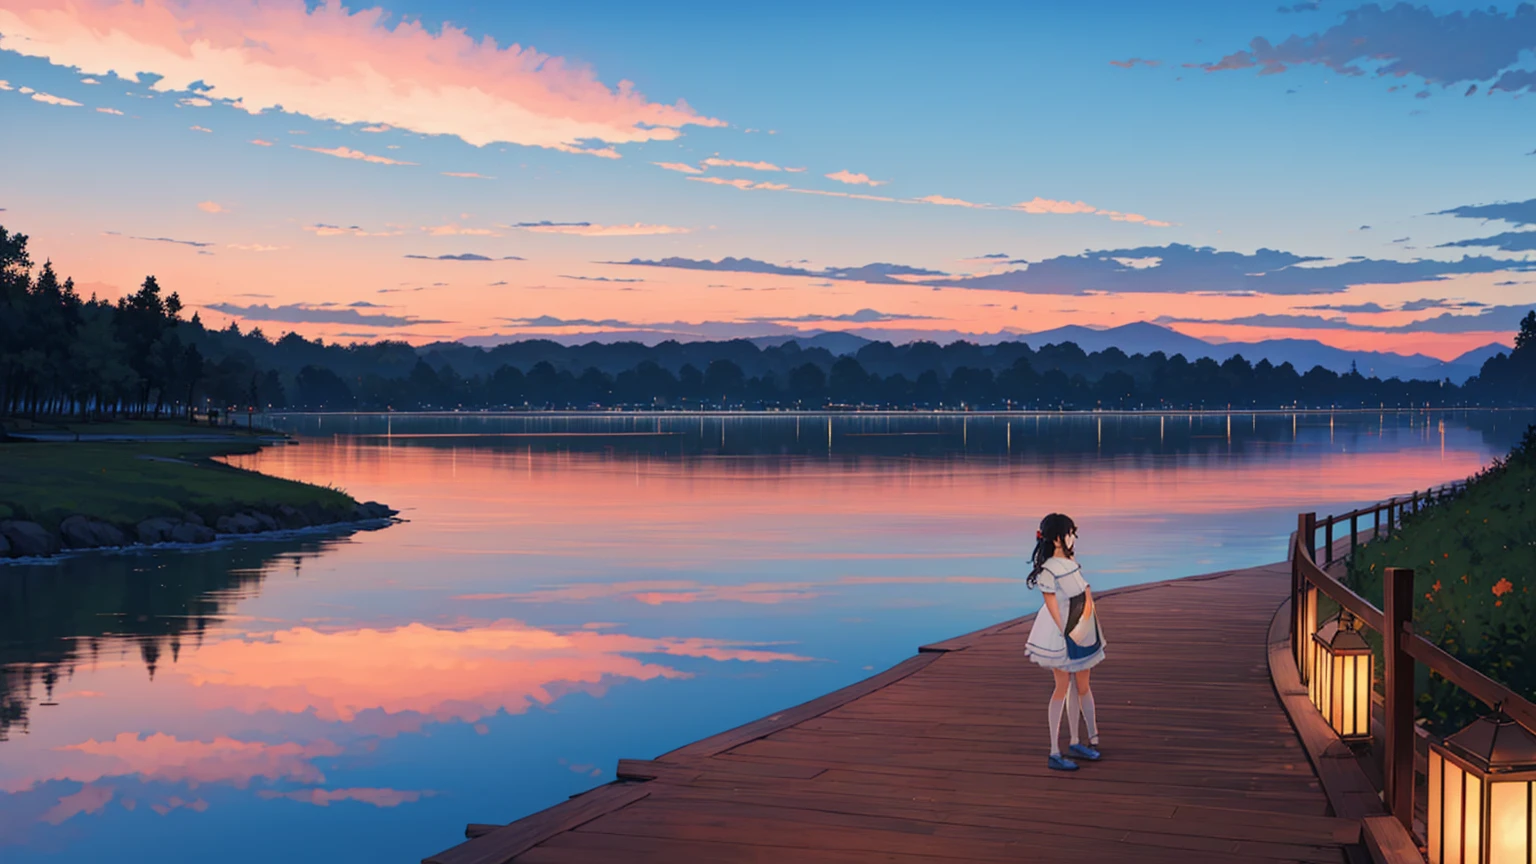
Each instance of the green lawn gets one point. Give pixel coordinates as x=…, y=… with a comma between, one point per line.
x=1474, y=562
x=46, y=482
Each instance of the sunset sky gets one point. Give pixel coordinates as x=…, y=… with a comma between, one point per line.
x=1237, y=171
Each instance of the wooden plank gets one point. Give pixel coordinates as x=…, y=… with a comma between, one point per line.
x=1389, y=842
x=505, y=843
x=805, y=711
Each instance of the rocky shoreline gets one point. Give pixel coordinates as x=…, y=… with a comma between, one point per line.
x=24, y=539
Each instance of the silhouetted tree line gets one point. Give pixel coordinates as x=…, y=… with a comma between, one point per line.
x=66, y=355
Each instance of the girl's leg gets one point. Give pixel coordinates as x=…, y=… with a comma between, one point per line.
x=1085, y=704
x=1072, y=709
x=1058, y=702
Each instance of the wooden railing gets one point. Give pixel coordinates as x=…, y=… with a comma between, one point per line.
x=1401, y=646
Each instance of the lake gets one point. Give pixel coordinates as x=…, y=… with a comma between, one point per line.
x=570, y=590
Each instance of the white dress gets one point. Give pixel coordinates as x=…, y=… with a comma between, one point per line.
x=1047, y=646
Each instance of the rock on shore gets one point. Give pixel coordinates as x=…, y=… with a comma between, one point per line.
x=22, y=539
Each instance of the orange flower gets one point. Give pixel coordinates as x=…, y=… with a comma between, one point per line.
x=1502, y=587
x=1436, y=586
x=1498, y=602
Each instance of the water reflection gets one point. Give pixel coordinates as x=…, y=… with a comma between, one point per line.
x=559, y=601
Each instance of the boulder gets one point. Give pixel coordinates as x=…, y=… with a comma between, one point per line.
x=28, y=539
x=240, y=523
x=316, y=514
x=187, y=532
x=372, y=510
x=5, y=547
x=291, y=517
x=194, y=518
x=267, y=522
x=83, y=532
x=156, y=530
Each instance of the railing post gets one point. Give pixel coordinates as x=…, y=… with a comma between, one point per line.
x=1328, y=539
x=1303, y=603
x=1398, y=672
x=1354, y=532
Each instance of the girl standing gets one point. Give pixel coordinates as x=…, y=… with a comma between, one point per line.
x=1065, y=637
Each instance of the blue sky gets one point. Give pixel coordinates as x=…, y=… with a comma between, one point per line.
x=1297, y=149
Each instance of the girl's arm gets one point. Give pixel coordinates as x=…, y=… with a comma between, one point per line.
x=1088, y=602
x=1050, y=605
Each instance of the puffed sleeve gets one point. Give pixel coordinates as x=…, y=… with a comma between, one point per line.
x=1047, y=580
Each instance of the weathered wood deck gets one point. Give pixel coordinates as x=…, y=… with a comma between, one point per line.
x=942, y=758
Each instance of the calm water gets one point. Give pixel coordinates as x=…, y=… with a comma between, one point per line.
x=569, y=591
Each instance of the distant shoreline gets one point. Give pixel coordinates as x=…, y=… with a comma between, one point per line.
x=887, y=412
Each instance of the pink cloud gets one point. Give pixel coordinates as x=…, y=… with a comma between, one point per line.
x=166, y=757
x=382, y=127
x=110, y=111
x=199, y=128
x=638, y=229
x=349, y=67
x=382, y=797
x=260, y=143
x=420, y=671
x=716, y=162
x=195, y=102
x=457, y=231
x=88, y=800
x=212, y=207
x=1040, y=205
x=853, y=179
x=842, y=195
x=949, y=202
x=5, y=85
x=468, y=174
x=1046, y=205
x=349, y=153
x=51, y=99
x=683, y=167
x=739, y=183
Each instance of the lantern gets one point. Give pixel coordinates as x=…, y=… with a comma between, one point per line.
x=1481, y=798
x=1342, y=671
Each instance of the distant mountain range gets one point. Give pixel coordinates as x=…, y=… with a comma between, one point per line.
x=1139, y=338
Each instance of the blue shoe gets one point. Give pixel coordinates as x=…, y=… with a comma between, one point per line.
x=1061, y=763
x=1084, y=751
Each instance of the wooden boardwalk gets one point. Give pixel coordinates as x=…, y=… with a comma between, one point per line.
x=942, y=758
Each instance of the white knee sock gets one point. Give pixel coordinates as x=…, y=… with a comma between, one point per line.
x=1054, y=712
x=1086, y=703
x=1072, y=713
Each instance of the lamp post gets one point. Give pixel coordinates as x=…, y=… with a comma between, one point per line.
x=1482, y=794
x=1342, y=672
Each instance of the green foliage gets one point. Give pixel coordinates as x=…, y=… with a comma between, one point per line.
x=1474, y=563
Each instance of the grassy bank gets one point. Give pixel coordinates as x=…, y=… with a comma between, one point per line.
x=124, y=483
x=1474, y=562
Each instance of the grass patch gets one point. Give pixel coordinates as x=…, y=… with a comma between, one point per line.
x=1474, y=563
x=46, y=482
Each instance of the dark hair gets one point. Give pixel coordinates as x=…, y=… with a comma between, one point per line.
x=1053, y=529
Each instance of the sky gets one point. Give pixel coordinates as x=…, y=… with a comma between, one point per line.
x=493, y=171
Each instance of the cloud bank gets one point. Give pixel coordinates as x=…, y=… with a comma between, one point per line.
x=333, y=64
x=1450, y=49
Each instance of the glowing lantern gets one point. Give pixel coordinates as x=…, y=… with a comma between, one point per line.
x=1482, y=794
x=1342, y=671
